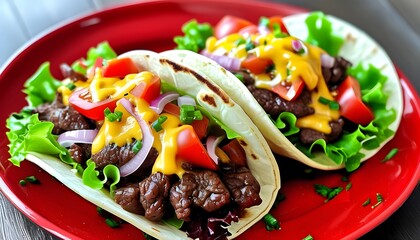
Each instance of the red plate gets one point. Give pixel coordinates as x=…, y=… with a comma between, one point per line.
x=152, y=25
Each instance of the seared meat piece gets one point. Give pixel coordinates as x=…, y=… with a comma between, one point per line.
x=337, y=73
x=153, y=191
x=202, y=189
x=113, y=154
x=80, y=152
x=64, y=118
x=308, y=136
x=68, y=72
x=129, y=198
x=242, y=185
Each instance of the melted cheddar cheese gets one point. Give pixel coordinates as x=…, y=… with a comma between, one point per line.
x=289, y=66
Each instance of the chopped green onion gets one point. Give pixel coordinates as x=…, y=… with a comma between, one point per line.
x=188, y=114
x=279, y=34
x=249, y=44
x=309, y=237
x=240, y=41
x=327, y=192
x=332, y=104
x=348, y=186
x=365, y=203
x=71, y=86
x=271, y=222
x=112, y=223
x=137, y=146
x=379, y=199
x=390, y=155
x=239, y=76
x=113, y=116
x=157, y=125
x=264, y=21
x=22, y=182
x=32, y=179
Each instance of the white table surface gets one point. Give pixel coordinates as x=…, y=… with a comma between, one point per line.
x=395, y=24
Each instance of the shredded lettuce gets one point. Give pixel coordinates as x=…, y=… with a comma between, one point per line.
x=41, y=87
x=102, y=50
x=320, y=33
x=347, y=149
x=195, y=36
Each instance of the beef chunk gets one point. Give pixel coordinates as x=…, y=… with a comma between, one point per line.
x=129, y=198
x=80, y=152
x=273, y=104
x=337, y=73
x=308, y=136
x=113, y=154
x=242, y=185
x=202, y=189
x=68, y=72
x=64, y=118
x=153, y=191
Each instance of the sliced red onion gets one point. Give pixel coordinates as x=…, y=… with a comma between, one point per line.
x=136, y=162
x=137, y=90
x=297, y=46
x=263, y=30
x=230, y=63
x=68, y=138
x=160, y=102
x=211, y=144
x=327, y=60
x=186, y=100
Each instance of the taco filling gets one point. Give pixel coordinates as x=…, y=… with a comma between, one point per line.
x=320, y=101
x=161, y=153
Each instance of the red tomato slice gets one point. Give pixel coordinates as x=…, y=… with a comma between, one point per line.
x=191, y=150
x=119, y=67
x=256, y=65
x=148, y=90
x=228, y=25
x=235, y=152
x=93, y=110
x=291, y=92
x=351, y=105
x=98, y=64
x=248, y=30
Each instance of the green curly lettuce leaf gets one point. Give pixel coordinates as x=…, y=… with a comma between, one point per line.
x=286, y=122
x=320, y=33
x=41, y=87
x=348, y=148
x=195, y=36
x=90, y=176
x=102, y=50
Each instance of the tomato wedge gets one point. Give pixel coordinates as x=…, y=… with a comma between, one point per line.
x=351, y=104
x=93, y=110
x=291, y=92
x=235, y=152
x=228, y=25
x=277, y=20
x=191, y=150
x=119, y=67
x=148, y=90
x=248, y=30
x=256, y=65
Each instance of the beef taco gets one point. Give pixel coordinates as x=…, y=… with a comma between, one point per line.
x=152, y=142
x=320, y=90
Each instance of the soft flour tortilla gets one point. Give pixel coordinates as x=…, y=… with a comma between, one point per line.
x=260, y=159
x=358, y=47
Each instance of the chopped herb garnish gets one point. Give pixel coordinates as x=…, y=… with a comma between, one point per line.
x=365, y=203
x=22, y=182
x=264, y=21
x=279, y=34
x=379, y=199
x=157, y=125
x=348, y=186
x=271, y=222
x=309, y=237
x=327, y=192
x=71, y=86
x=112, y=223
x=249, y=44
x=113, y=116
x=390, y=155
x=239, y=76
x=332, y=104
x=32, y=179
x=188, y=114
x=240, y=41
x=137, y=146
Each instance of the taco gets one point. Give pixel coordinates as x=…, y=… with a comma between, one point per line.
x=152, y=142
x=320, y=90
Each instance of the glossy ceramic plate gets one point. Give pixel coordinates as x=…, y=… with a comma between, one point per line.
x=152, y=25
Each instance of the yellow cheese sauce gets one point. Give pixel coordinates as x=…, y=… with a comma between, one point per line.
x=289, y=66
